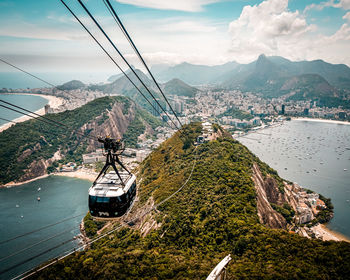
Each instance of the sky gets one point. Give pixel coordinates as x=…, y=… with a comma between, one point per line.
x=42, y=36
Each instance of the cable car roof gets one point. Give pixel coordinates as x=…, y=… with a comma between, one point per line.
x=109, y=185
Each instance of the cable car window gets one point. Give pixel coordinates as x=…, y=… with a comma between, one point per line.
x=101, y=199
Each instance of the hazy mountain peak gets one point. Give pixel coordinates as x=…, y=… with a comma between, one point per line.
x=71, y=85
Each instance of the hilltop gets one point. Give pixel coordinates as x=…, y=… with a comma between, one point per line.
x=219, y=211
x=272, y=76
x=71, y=85
x=33, y=148
x=178, y=87
x=121, y=85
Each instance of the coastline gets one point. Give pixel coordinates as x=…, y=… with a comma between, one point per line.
x=53, y=101
x=321, y=230
x=84, y=174
x=327, y=234
x=321, y=120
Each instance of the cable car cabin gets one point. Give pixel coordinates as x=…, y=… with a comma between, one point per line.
x=109, y=198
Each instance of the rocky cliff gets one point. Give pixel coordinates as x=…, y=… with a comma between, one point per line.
x=214, y=214
x=29, y=149
x=267, y=192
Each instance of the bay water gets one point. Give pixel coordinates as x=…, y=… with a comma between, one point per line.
x=29, y=102
x=316, y=155
x=63, y=204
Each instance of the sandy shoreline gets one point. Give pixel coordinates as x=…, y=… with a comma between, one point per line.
x=54, y=103
x=84, y=174
x=328, y=234
x=321, y=120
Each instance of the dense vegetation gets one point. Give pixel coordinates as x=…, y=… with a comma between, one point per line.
x=236, y=114
x=26, y=142
x=214, y=214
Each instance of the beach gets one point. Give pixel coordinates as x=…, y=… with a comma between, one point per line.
x=83, y=173
x=53, y=101
x=321, y=120
x=326, y=234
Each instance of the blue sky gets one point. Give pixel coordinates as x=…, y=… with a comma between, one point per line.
x=42, y=36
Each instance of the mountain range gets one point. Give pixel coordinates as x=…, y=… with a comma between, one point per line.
x=272, y=76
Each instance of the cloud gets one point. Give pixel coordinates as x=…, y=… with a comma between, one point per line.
x=265, y=28
x=272, y=29
x=347, y=16
x=343, y=4
x=178, y=5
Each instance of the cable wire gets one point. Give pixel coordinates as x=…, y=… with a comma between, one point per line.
x=42, y=118
x=113, y=60
x=36, y=256
x=121, y=55
x=36, y=77
x=35, y=244
x=123, y=29
x=6, y=120
x=71, y=251
x=39, y=229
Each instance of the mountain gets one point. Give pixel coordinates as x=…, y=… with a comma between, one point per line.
x=74, y=84
x=193, y=74
x=266, y=75
x=122, y=86
x=178, y=87
x=33, y=148
x=276, y=76
x=311, y=86
x=228, y=202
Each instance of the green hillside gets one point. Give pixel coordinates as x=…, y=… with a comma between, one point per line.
x=178, y=87
x=214, y=214
x=236, y=114
x=34, y=140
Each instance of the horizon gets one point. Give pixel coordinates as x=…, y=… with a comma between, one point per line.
x=43, y=37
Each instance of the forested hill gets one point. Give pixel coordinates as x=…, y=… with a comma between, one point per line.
x=31, y=148
x=213, y=215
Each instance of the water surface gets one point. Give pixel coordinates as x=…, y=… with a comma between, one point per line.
x=29, y=102
x=21, y=212
x=316, y=155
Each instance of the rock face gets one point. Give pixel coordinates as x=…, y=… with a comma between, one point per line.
x=267, y=192
x=112, y=122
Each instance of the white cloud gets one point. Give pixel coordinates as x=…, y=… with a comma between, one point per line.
x=265, y=28
x=178, y=5
x=347, y=16
x=343, y=4
x=272, y=29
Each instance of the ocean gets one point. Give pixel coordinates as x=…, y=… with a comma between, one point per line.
x=61, y=199
x=29, y=102
x=316, y=155
x=17, y=80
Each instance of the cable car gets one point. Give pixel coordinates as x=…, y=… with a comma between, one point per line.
x=112, y=193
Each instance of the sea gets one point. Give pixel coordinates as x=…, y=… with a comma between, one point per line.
x=29, y=102
x=32, y=231
x=316, y=155
x=16, y=80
